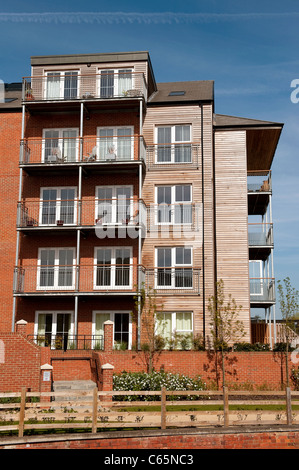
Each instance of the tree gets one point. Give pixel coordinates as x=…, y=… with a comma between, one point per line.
x=289, y=307
x=226, y=327
x=145, y=302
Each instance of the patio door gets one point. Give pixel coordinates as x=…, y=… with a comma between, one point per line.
x=54, y=329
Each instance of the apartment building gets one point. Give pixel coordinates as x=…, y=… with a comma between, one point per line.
x=120, y=184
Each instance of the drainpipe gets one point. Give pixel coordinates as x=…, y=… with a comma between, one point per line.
x=203, y=231
x=139, y=230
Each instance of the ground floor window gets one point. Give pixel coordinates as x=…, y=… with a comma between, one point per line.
x=54, y=329
x=122, y=327
x=175, y=328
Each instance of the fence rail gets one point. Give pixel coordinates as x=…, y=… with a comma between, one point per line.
x=94, y=410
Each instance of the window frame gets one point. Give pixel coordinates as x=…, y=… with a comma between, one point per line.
x=173, y=142
x=57, y=205
x=112, y=314
x=173, y=318
x=173, y=204
x=61, y=84
x=54, y=314
x=114, y=204
x=61, y=140
x=56, y=266
x=112, y=285
x=115, y=71
x=173, y=268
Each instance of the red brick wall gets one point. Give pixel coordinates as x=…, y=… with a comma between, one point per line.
x=272, y=439
x=20, y=364
x=10, y=134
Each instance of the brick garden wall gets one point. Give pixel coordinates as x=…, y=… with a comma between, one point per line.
x=177, y=439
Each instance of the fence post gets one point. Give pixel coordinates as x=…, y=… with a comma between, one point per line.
x=225, y=406
x=95, y=410
x=163, y=408
x=288, y=405
x=22, y=412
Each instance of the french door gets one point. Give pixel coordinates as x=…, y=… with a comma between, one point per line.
x=56, y=269
x=58, y=204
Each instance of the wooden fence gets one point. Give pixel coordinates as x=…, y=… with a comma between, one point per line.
x=91, y=411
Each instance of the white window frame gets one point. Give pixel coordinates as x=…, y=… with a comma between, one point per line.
x=112, y=314
x=116, y=72
x=112, y=153
x=54, y=314
x=60, y=139
x=173, y=204
x=260, y=263
x=61, y=84
x=114, y=204
x=58, y=204
x=172, y=143
x=173, y=329
x=113, y=285
x=56, y=266
x=173, y=267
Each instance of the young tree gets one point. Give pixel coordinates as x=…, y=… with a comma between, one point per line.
x=289, y=307
x=226, y=328
x=145, y=302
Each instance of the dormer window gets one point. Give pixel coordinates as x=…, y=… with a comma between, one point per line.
x=115, y=82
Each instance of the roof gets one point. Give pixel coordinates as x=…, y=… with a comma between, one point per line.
x=12, y=96
x=195, y=91
x=222, y=120
x=89, y=58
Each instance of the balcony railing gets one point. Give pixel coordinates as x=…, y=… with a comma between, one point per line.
x=259, y=181
x=180, y=216
x=72, y=86
x=116, y=212
x=178, y=155
x=262, y=290
x=66, y=341
x=70, y=150
x=260, y=234
x=86, y=279
x=173, y=280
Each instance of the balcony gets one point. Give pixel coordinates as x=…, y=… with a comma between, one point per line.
x=259, y=190
x=260, y=235
x=262, y=292
x=60, y=152
x=177, y=280
x=71, y=86
x=173, y=156
x=67, y=214
x=98, y=279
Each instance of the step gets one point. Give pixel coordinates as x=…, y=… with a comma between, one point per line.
x=72, y=386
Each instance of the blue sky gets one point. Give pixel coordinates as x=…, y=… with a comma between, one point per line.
x=250, y=50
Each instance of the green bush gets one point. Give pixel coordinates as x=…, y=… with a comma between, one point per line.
x=295, y=378
x=251, y=347
x=141, y=381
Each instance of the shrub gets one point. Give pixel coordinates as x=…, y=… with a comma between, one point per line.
x=295, y=378
x=132, y=381
x=251, y=347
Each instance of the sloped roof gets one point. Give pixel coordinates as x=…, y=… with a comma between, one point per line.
x=223, y=120
x=202, y=90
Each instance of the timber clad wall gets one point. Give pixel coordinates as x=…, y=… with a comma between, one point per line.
x=232, y=219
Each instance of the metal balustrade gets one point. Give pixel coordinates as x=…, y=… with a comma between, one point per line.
x=260, y=234
x=73, y=86
x=66, y=341
x=63, y=149
x=173, y=155
x=259, y=181
x=262, y=290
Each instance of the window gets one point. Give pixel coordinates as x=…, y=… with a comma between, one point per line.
x=173, y=144
x=174, y=204
x=113, y=204
x=174, y=267
x=115, y=82
x=54, y=329
x=115, y=143
x=60, y=145
x=62, y=85
x=177, y=93
x=56, y=269
x=58, y=204
x=255, y=275
x=122, y=327
x=113, y=268
x=174, y=324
